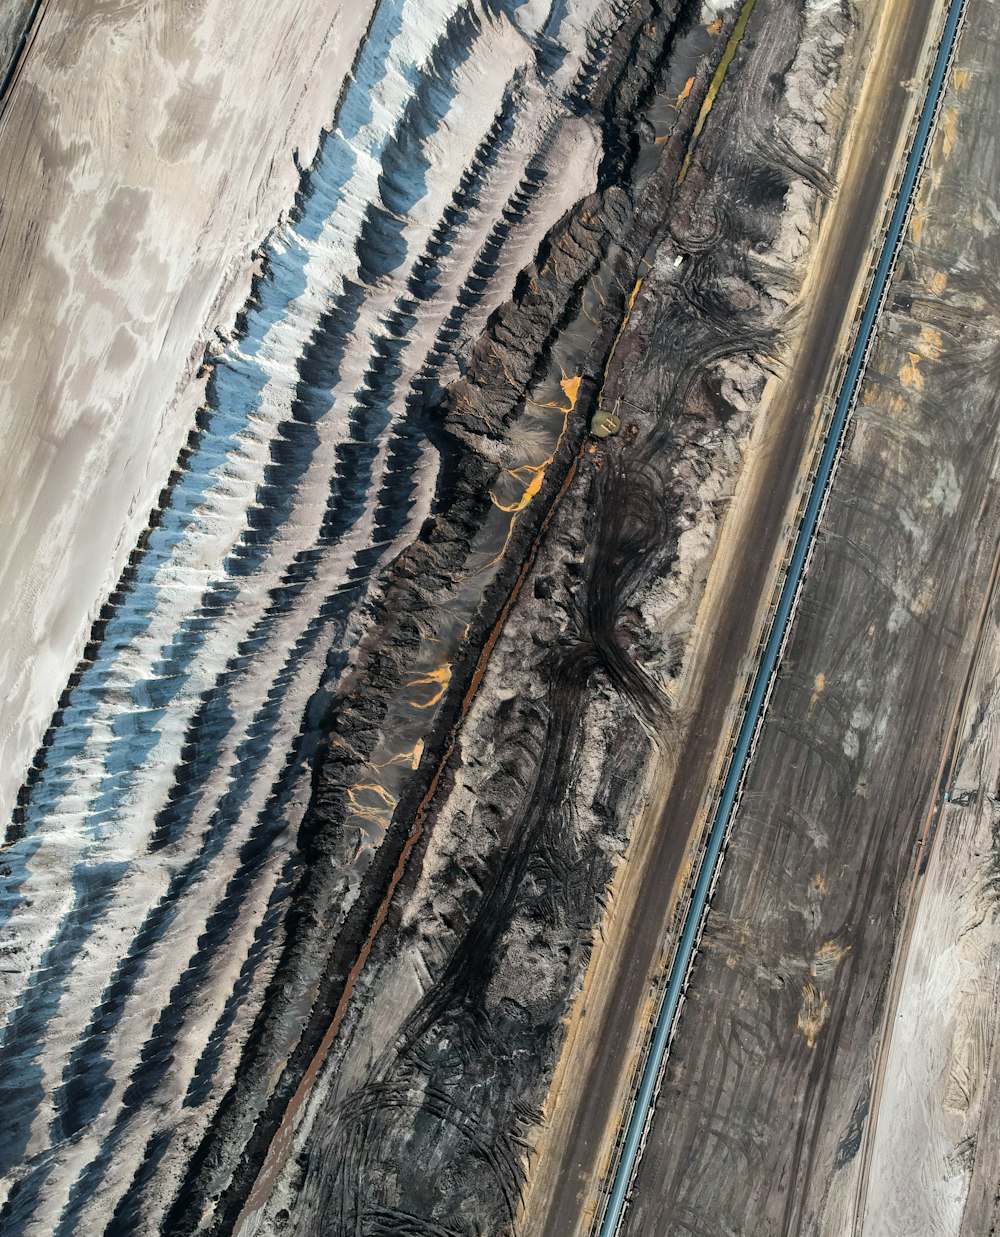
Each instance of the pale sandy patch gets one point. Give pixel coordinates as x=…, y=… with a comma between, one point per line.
x=146, y=151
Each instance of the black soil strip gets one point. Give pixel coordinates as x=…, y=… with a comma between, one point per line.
x=434, y=1140
x=703, y=320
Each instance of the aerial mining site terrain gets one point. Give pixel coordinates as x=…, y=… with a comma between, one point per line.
x=501, y=646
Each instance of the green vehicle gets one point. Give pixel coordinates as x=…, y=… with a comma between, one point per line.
x=605, y=423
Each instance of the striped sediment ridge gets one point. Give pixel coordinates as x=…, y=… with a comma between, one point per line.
x=236, y=775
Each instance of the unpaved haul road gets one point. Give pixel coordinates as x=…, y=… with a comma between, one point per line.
x=562, y=1192
x=729, y=796
x=790, y=1103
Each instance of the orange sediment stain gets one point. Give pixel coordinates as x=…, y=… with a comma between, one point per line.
x=684, y=95
x=381, y=807
x=529, y=562
x=570, y=384
x=438, y=679
x=815, y=1008
x=918, y=219
x=413, y=755
x=280, y=1145
x=812, y=1012
x=827, y=958
x=932, y=342
x=819, y=686
x=410, y=757
x=532, y=486
x=949, y=129
x=910, y=376
x=532, y=476
x=714, y=27
x=535, y=474
x=571, y=389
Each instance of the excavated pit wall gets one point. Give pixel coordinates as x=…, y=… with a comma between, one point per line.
x=423, y=1118
x=487, y=932
x=331, y=910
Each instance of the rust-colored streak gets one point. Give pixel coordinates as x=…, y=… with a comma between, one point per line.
x=685, y=94
x=281, y=1143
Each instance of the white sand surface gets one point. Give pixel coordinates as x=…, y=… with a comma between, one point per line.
x=155, y=930
x=145, y=152
x=934, y=1147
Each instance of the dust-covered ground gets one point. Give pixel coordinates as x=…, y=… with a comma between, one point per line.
x=307, y=887
x=834, y=1058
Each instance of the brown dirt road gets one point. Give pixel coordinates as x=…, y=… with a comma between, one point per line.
x=804, y=1086
x=607, y=1023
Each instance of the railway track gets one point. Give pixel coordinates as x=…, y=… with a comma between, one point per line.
x=638, y=1114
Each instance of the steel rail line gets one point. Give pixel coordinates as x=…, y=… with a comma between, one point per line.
x=642, y=1108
